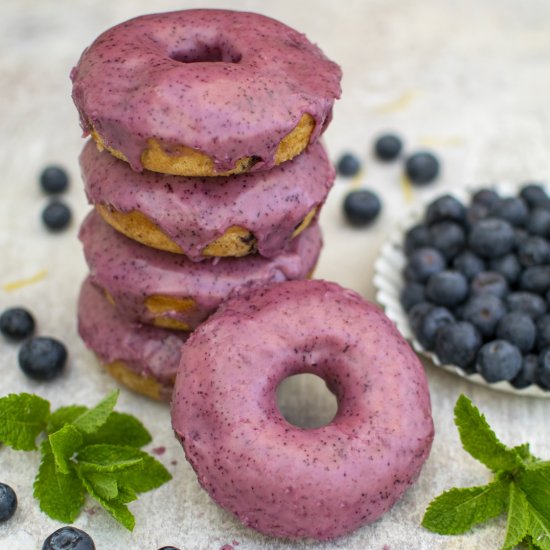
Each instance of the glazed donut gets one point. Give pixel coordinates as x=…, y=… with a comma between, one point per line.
x=275, y=477
x=144, y=358
x=204, y=92
x=236, y=216
x=155, y=287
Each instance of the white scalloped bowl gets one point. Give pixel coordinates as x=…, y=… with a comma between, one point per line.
x=388, y=281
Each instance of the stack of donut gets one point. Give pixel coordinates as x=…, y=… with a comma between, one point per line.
x=206, y=175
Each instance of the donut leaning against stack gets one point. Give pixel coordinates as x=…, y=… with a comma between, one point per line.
x=207, y=169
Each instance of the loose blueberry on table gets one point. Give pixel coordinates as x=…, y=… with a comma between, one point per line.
x=477, y=284
x=16, y=323
x=361, y=207
x=54, y=179
x=42, y=358
x=69, y=538
x=56, y=216
x=387, y=147
x=348, y=165
x=422, y=168
x=8, y=502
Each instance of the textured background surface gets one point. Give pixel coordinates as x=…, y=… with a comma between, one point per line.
x=470, y=79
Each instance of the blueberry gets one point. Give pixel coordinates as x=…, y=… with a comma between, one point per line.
x=534, y=251
x=42, y=358
x=491, y=238
x=526, y=302
x=543, y=331
x=446, y=208
x=520, y=235
x=526, y=375
x=423, y=263
x=54, y=179
x=489, y=282
x=498, y=360
x=468, y=264
x=412, y=294
x=484, y=311
x=361, y=207
x=457, y=344
x=485, y=197
x=545, y=204
x=539, y=223
x=511, y=209
x=168, y=548
x=56, y=216
x=533, y=194
x=508, y=266
x=447, y=288
x=387, y=147
x=69, y=538
x=16, y=323
x=348, y=165
x=448, y=237
x=476, y=212
x=542, y=374
x=518, y=329
x=535, y=279
x=417, y=313
x=431, y=323
x=416, y=237
x=422, y=167
x=8, y=502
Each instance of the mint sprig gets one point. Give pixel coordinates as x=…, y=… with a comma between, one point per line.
x=84, y=450
x=520, y=488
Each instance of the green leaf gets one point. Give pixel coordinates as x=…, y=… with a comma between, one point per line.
x=120, y=429
x=60, y=495
x=104, y=485
x=94, y=418
x=64, y=444
x=517, y=527
x=535, y=483
x=539, y=527
x=63, y=416
x=480, y=441
x=110, y=458
x=22, y=418
x=153, y=475
x=125, y=494
x=458, y=510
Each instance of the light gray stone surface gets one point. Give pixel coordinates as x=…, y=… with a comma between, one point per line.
x=470, y=79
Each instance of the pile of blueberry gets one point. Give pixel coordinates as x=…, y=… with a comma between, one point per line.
x=477, y=284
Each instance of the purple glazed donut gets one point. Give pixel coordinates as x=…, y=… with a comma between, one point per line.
x=275, y=477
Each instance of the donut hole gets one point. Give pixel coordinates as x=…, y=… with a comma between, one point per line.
x=305, y=401
x=204, y=52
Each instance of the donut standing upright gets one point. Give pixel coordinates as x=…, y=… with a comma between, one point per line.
x=205, y=172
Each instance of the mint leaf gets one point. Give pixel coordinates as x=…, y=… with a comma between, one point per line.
x=105, y=485
x=64, y=415
x=60, y=495
x=539, y=527
x=126, y=495
x=64, y=444
x=120, y=429
x=480, y=441
x=458, y=510
x=22, y=417
x=152, y=475
x=94, y=418
x=110, y=458
x=517, y=527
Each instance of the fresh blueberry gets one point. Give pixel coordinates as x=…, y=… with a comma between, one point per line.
x=543, y=331
x=56, y=216
x=491, y=238
x=431, y=323
x=447, y=288
x=533, y=194
x=8, y=502
x=16, y=323
x=412, y=294
x=416, y=237
x=422, y=167
x=485, y=197
x=489, y=282
x=423, y=263
x=446, y=208
x=54, y=179
x=511, y=209
x=476, y=212
x=508, y=266
x=468, y=264
x=542, y=374
x=539, y=223
x=42, y=358
x=69, y=538
x=518, y=329
x=361, y=207
x=545, y=204
x=534, y=251
x=417, y=313
x=548, y=299
x=448, y=237
x=387, y=147
x=526, y=375
x=520, y=235
x=535, y=279
x=169, y=548
x=348, y=165
x=498, y=360
x=457, y=344
x=526, y=302
x=484, y=311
